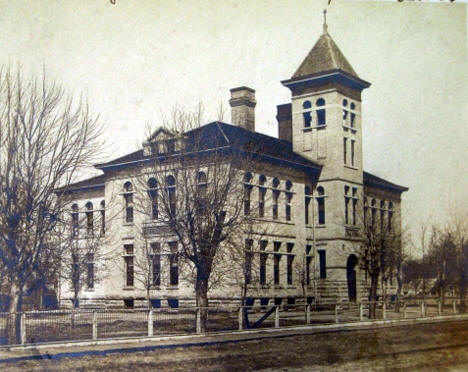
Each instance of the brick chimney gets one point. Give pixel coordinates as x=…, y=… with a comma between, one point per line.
x=284, y=117
x=243, y=107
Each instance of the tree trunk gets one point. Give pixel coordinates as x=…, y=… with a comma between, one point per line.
x=398, y=293
x=148, y=298
x=201, y=291
x=14, y=309
x=373, y=296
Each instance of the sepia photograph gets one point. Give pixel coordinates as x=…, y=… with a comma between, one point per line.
x=233, y=185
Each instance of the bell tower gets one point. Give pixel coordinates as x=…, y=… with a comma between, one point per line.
x=326, y=128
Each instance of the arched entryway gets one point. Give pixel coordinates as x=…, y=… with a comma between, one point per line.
x=351, y=277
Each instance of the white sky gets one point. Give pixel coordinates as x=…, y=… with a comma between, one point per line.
x=137, y=59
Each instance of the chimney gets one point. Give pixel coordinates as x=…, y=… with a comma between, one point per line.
x=243, y=107
x=284, y=117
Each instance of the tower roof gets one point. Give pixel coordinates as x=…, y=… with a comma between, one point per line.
x=325, y=63
x=324, y=56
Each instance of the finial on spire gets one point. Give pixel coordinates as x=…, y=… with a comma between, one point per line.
x=325, y=27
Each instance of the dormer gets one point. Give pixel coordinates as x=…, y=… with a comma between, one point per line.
x=162, y=142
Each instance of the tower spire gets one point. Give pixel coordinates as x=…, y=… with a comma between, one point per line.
x=325, y=27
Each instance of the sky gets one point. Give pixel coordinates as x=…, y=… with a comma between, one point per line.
x=137, y=60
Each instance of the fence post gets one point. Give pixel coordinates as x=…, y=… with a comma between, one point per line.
x=454, y=307
x=361, y=312
x=23, y=328
x=95, y=325
x=241, y=318
x=384, y=310
x=336, y=313
x=308, y=314
x=277, y=318
x=439, y=307
x=404, y=310
x=198, y=316
x=150, y=323
x=423, y=310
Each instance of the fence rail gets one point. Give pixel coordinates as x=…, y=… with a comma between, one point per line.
x=71, y=325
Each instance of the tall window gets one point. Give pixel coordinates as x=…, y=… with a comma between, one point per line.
x=322, y=263
x=247, y=192
x=202, y=185
x=75, y=220
x=174, y=264
x=153, y=196
x=308, y=263
x=307, y=199
x=276, y=263
x=276, y=194
x=353, y=115
x=103, y=217
x=373, y=212
x=347, y=198
x=129, y=269
x=90, y=270
x=390, y=216
x=382, y=215
x=156, y=258
x=345, y=150
x=289, y=266
x=128, y=198
x=248, y=261
x=352, y=152
x=321, y=205
x=263, y=260
x=171, y=193
x=261, y=196
x=321, y=114
x=289, y=196
x=355, y=200
x=89, y=218
x=307, y=113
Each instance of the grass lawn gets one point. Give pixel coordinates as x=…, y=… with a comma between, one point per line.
x=439, y=347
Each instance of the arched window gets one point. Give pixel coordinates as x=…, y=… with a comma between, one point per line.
x=321, y=205
x=321, y=114
x=276, y=194
x=153, y=195
x=345, y=110
x=307, y=199
x=171, y=194
x=75, y=220
x=307, y=114
x=103, y=217
x=289, y=196
x=128, y=198
x=89, y=218
x=353, y=114
x=261, y=195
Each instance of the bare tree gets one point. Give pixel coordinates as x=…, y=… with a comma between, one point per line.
x=201, y=191
x=46, y=139
x=382, y=251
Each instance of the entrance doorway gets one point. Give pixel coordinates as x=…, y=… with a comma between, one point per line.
x=351, y=277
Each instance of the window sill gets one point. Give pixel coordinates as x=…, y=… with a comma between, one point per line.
x=316, y=226
x=128, y=224
x=350, y=167
x=277, y=286
x=318, y=127
x=352, y=227
x=89, y=290
x=128, y=288
x=351, y=129
x=291, y=287
x=172, y=287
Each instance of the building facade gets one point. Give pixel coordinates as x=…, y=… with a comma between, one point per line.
x=309, y=189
